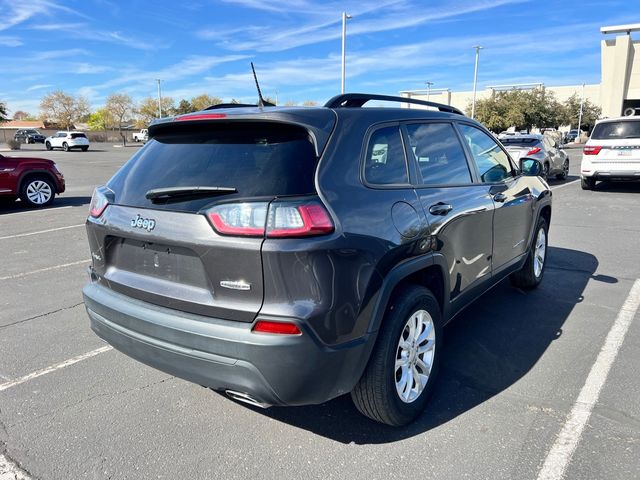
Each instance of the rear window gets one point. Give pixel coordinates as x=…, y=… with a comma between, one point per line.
x=78, y=135
x=520, y=142
x=612, y=130
x=257, y=159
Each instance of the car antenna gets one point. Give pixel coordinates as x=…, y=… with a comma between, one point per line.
x=261, y=101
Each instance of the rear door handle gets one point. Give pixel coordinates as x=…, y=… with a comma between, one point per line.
x=440, y=208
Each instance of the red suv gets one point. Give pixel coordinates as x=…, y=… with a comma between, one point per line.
x=35, y=180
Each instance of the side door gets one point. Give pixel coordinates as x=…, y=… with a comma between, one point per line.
x=56, y=140
x=513, y=200
x=7, y=174
x=459, y=210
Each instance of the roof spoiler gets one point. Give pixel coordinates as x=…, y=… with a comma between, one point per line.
x=357, y=100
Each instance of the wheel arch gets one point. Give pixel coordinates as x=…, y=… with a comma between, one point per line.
x=37, y=173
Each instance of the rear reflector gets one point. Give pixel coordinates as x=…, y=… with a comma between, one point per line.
x=201, y=116
x=533, y=151
x=276, y=328
x=592, y=150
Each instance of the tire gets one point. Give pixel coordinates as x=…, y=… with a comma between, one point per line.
x=84, y=149
x=531, y=273
x=65, y=146
x=588, y=183
x=48, y=146
x=381, y=393
x=27, y=141
x=37, y=191
x=545, y=171
x=565, y=171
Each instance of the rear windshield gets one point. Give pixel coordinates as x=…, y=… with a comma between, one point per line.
x=78, y=135
x=257, y=159
x=519, y=142
x=621, y=129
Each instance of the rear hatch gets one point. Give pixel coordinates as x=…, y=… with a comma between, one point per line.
x=522, y=147
x=615, y=143
x=164, y=250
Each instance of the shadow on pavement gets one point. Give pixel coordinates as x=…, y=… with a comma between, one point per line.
x=59, y=202
x=488, y=347
x=618, y=187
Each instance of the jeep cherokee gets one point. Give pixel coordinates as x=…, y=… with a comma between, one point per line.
x=287, y=256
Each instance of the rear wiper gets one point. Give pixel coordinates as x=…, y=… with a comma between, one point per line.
x=158, y=194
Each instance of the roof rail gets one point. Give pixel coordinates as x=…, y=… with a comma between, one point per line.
x=357, y=100
x=237, y=105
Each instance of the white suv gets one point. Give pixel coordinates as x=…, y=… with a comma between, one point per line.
x=67, y=140
x=612, y=152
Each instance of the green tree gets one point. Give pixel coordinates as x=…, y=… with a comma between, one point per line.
x=184, y=106
x=3, y=112
x=147, y=110
x=119, y=107
x=63, y=108
x=571, y=111
x=203, y=101
x=100, y=120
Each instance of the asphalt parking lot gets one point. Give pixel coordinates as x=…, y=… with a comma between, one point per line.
x=515, y=369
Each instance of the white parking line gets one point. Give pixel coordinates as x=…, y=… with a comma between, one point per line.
x=11, y=471
x=568, y=438
x=46, y=210
x=565, y=184
x=55, y=267
x=53, y=368
x=42, y=231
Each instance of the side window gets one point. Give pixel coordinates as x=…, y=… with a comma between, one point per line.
x=385, y=162
x=438, y=153
x=493, y=164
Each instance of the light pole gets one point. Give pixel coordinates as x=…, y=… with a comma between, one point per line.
x=428, y=84
x=580, y=115
x=159, y=99
x=345, y=16
x=475, y=81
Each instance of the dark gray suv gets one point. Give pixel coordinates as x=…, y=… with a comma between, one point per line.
x=287, y=256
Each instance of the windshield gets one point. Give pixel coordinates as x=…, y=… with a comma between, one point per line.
x=620, y=129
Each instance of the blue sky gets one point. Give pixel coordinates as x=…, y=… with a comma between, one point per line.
x=98, y=47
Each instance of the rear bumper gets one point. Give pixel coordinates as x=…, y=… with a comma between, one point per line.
x=605, y=170
x=226, y=355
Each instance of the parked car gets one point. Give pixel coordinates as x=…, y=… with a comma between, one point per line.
x=67, y=140
x=541, y=147
x=29, y=135
x=294, y=255
x=572, y=135
x=612, y=152
x=35, y=180
x=141, y=136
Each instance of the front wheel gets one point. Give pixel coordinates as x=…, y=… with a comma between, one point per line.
x=588, y=183
x=531, y=273
x=48, y=146
x=65, y=146
x=399, y=378
x=37, y=192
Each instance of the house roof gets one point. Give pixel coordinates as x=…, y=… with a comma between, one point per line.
x=22, y=124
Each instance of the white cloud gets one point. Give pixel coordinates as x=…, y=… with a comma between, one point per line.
x=38, y=87
x=55, y=54
x=10, y=41
x=15, y=13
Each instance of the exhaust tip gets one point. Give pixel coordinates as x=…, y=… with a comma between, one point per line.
x=246, y=398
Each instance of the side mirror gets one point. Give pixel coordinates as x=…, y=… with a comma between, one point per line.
x=531, y=167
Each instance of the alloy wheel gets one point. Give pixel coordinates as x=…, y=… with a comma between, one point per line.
x=39, y=192
x=414, y=356
x=540, y=252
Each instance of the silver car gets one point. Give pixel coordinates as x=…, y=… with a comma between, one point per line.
x=541, y=147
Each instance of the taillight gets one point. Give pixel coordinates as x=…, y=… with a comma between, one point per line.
x=591, y=150
x=533, y=151
x=298, y=220
x=276, y=220
x=200, y=116
x=277, y=328
x=98, y=203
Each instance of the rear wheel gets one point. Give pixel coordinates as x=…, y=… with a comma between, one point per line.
x=531, y=273
x=588, y=183
x=545, y=171
x=565, y=171
x=65, y=146
x=84, y=149
x=48, y=146
x=399, y=378
x=37, y=192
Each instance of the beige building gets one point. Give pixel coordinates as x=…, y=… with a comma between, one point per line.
x=617, y=94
